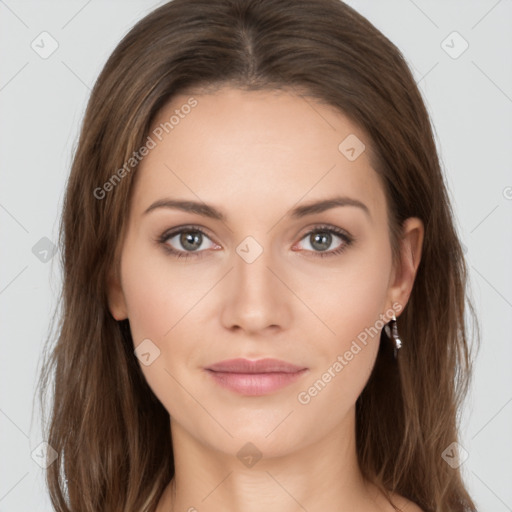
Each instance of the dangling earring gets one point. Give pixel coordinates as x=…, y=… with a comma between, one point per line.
x=391, y=330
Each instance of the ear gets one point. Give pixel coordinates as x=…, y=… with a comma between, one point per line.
x=116, y=300
x=403, y=275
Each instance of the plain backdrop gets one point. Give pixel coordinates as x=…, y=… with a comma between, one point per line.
x=466, y=81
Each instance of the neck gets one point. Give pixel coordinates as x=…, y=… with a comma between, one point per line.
x=321, y=476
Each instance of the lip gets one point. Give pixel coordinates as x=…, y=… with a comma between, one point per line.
x=255, y=378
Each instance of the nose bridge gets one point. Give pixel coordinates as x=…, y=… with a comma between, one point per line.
x=256, y=298
x=252, y=265
x=251, y=273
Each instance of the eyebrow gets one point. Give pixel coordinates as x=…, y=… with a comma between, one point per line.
x=206, y=210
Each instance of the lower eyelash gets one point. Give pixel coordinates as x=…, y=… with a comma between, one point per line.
x=183, y=254
x=335, y=252
x=348, y=240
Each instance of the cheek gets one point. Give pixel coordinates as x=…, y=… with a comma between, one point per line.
x=352, y=296
x=158, y=293
x=347, y=356
x=147, y=305
x=158, y=300
x=350, y=303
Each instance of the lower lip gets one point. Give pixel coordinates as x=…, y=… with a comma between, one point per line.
x=255, y=384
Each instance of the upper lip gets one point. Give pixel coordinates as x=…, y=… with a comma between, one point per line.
x=266, y=365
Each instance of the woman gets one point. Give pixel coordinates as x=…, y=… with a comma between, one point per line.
x=264, y=292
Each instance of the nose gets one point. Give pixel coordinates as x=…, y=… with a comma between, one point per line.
x=255, y=298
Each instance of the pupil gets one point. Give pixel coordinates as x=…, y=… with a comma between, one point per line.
x=188, y=240
x=323, y=240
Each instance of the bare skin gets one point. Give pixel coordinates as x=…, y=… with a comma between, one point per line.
x=255, y=156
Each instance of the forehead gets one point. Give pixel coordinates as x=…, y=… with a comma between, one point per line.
x=256, y=150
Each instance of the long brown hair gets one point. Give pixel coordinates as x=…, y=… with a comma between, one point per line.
x=110, y=432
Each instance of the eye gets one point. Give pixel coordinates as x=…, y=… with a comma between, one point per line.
x=186, y=241
x=192, y=241
x=321, y=238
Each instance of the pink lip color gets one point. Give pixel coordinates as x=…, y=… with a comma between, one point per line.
x=255, y=377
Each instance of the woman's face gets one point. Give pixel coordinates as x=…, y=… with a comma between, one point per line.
x=261, y=273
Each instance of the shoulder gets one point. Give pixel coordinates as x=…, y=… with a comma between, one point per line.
x=405, y=505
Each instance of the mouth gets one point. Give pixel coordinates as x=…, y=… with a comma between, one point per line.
x=255, y=378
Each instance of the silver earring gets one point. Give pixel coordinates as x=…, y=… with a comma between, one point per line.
x=391, y=330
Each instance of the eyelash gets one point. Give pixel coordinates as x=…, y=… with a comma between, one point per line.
x=347, y=239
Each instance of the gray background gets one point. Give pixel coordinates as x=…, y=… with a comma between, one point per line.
x=42, y=102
